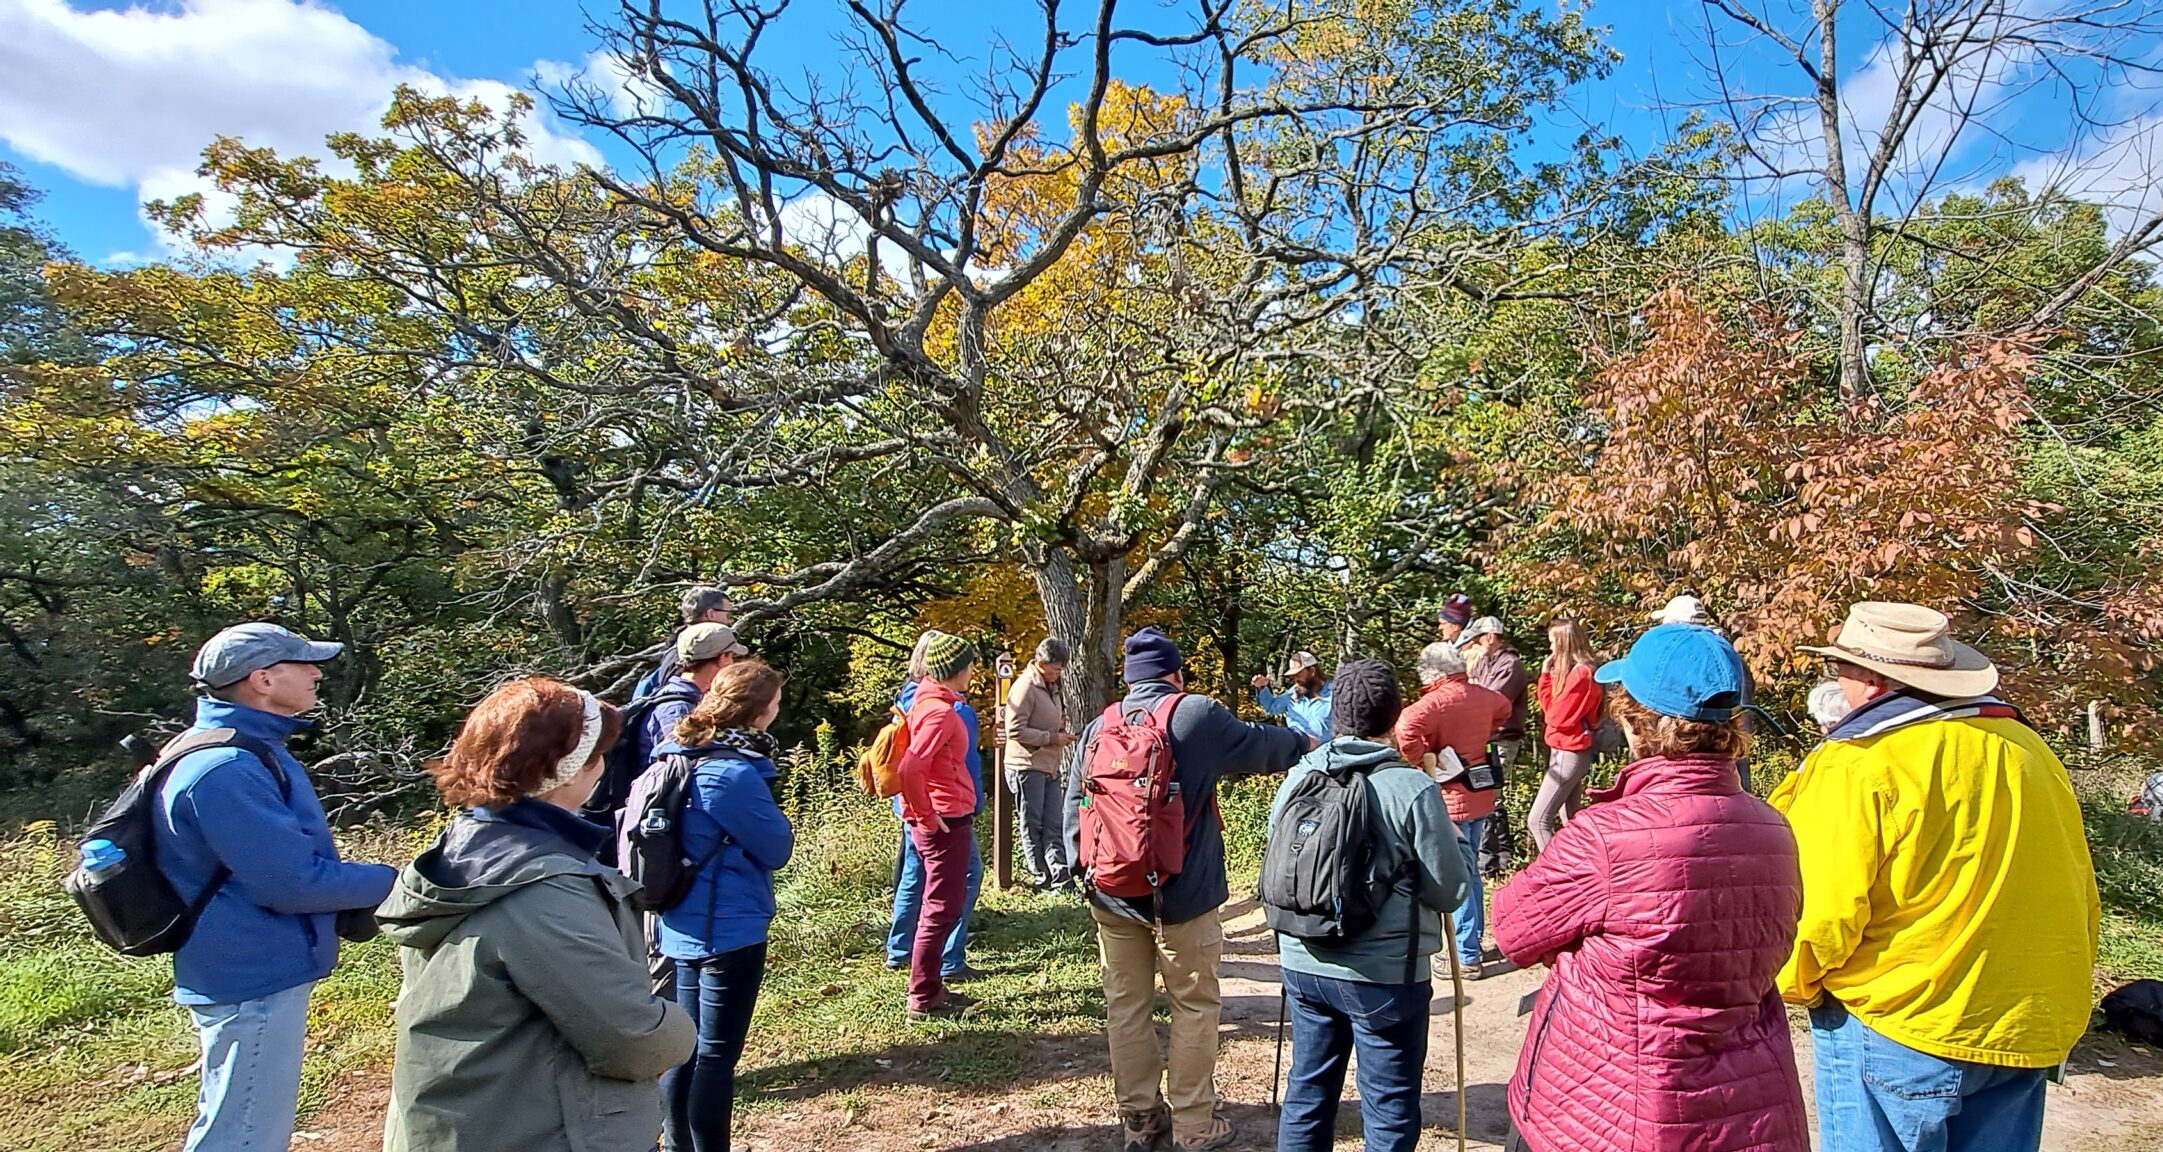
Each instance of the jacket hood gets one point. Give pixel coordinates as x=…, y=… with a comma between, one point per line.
x=480, y=859
x=1353, y=752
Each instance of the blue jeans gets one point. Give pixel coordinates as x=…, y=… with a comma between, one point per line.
x=251, y=1072
x=718, y=993
x=1878, y=1095
x=1387, y=1025
x=1472, y=914
x=909, y=902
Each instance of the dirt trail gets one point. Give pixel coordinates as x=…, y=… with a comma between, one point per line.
x=2113, y=1102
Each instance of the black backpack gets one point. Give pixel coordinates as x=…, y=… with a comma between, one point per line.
x=2136, y=1012
x=132, y=906
x=626, y=761
x=1323, y=874
x=650, y=843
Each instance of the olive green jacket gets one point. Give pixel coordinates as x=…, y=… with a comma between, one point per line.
x=525, y=1023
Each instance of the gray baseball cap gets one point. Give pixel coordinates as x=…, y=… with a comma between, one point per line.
x=228, y=657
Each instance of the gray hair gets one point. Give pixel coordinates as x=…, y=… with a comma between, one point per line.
x=1053, y=651
x=1828, y=704
x=919, y=667
x=1440, y=659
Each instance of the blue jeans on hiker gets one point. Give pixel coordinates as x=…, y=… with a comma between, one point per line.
x=1472, y=914
x=1386, y=1024
x=251, y=1072
x=909, y=902
x=1875, y=1094
x=718, y=993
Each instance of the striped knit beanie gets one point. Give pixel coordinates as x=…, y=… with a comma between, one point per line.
x=946, y=654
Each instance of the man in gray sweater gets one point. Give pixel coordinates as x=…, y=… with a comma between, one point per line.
x=1370, y=993
x=1175, y=932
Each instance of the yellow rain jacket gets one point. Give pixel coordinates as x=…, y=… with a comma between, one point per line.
x=1948, y=898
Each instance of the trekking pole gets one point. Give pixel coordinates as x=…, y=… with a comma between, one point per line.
x=1276, y=1071
x=1457, y=1018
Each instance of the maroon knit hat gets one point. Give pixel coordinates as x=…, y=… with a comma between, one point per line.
x=1456, y=610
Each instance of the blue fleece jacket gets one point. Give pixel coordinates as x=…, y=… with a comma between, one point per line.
x=731, y=822
x=271, y=927
x=1305, y=714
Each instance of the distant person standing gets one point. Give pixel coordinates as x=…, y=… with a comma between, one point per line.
x=1305, y=702
x=1455, y=614
x=240, y=820
x=1492, y=662
x=939, y=801
x=909, y=866
x=1456, y=716
x=1036, y=742
x=1570, y=703
x=703, y=651
x=703, y=604
x=1950, y=915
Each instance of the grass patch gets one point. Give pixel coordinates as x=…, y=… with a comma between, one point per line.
x=93, y=1051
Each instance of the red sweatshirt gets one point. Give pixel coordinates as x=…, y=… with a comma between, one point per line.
x=935, y=769
x=1573, y=712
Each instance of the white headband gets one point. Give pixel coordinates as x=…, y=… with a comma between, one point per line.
x=568, y=768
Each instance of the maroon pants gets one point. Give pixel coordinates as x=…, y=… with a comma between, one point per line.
x=946, y=898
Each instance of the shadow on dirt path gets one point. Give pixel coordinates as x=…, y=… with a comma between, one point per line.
x=889, y=1101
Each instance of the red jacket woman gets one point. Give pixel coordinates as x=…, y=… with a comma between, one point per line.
x=1665, y=912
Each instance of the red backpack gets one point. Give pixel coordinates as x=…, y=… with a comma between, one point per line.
x=1133, y=819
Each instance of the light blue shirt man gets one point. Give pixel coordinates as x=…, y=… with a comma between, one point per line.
x=1305, y=704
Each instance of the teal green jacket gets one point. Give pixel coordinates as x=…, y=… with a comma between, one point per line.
x=1416, y=830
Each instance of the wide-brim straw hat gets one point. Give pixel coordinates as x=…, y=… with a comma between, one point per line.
x=1913, y=645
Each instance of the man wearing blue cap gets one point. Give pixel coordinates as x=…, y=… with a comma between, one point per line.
x=253, y=834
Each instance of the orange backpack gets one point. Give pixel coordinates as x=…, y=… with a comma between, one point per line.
x=878, y=770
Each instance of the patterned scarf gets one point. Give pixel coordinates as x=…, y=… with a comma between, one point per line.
x=749, y=741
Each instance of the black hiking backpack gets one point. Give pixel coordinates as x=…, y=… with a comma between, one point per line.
x=626, y=762
x=649, y=846
x=132, y=905
x=1324, y=876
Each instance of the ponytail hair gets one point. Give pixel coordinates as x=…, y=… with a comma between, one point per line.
x=740, y=695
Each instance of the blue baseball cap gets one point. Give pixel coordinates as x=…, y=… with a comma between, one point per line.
x=231, y=655
x=1683, y=670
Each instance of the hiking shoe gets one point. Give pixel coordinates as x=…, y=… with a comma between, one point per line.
x=893, y=965
x=1472, y=969
x=955, y=1005
x=1144, y=1131
x=1219, y=1134
x=961, y=974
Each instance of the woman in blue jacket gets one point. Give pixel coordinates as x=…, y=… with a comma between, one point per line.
x=717, y=935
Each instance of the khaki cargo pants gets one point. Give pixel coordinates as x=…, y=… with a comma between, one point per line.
x=1133, y=954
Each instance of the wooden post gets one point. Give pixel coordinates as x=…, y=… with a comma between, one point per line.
x=1002, y=805
x=2096, y=740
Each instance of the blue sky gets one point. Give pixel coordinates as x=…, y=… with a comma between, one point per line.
x=104, y=105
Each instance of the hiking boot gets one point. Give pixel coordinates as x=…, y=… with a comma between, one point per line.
x=1144, y=1131
x=954, y=1006
x=1219, y=1134
x=961, y=974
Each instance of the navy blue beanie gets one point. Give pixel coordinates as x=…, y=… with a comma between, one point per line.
x=1151, y=655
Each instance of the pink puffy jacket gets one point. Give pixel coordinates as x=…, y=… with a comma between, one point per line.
x=1666, y=910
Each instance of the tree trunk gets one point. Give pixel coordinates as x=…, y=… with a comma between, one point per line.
x=1854, y=303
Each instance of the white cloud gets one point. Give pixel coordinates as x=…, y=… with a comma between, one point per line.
x=129, y=98
x=2120, y=168
x=628, y=95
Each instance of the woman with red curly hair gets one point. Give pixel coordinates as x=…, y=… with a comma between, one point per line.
x=525, y=1019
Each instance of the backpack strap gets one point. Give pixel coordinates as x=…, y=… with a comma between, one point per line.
x=196, y=740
